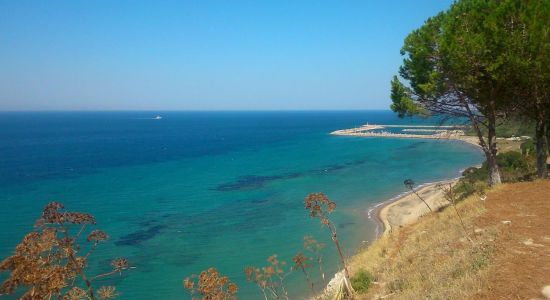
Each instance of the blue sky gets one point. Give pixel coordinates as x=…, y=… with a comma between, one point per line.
x=203, y=55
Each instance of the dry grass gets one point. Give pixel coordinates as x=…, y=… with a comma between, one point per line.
x=434, y=259
x=507, y=145
x=430, y=259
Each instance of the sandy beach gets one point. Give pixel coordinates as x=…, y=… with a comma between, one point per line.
x=407, y=208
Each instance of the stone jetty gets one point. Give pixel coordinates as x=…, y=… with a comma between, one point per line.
x=437, y=132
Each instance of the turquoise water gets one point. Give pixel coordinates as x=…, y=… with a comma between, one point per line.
x=196, y=190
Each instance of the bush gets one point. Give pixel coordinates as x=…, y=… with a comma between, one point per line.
x=512, y=160
x=465, y=188
x=514, y=166
x=528, y=147
x=361, y=281
x=473, y=174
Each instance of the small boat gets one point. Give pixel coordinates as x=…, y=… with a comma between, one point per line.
x=157, y=117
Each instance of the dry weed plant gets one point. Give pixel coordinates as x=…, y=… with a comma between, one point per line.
x=315, y=248
x=451, y=197
x=430, y=257
x=210, y=285
x=409, y=183
x=301, y=263
x=50, y=263
x=270, y=279
x=319, y=206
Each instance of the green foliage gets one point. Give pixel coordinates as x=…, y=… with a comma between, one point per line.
x=361, y=281
x=509, y=127
x=475, y=39
x=474, y=174
x=480, y=59
x=515, y=128
x=402, y=104
x=482, y=258
x=513, y=165
x=458, y=64
x=528, y=148
x=530, y=45
x=420, y=69
x=474, y=182
x=457, y=58
x=512, y=160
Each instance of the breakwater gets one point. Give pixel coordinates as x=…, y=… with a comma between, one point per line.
x=438, y=132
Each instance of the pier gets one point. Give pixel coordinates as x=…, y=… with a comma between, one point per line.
x=438, y=132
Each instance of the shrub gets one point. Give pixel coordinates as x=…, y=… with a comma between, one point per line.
x=465, y=188
x=474, y=174
x=512, y=159
x=361, y=281
x=514, y=166
x=527, y=147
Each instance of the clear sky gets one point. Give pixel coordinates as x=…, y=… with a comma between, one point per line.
x=203, y=55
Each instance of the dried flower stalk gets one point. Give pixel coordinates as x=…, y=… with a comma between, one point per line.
x=47, y=263
x=210, y=285
x=319, y=206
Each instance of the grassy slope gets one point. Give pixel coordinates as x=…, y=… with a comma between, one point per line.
x=435, y=259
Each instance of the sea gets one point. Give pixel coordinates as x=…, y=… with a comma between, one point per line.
x=193, y=190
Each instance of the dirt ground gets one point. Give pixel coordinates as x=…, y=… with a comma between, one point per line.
x=520, y=267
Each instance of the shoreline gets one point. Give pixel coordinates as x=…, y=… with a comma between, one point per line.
x=383, y=218
x=405, y=208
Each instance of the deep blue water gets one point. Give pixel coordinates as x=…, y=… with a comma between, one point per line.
x=201, y=189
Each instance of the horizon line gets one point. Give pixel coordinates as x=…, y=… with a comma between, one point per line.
x=193, y=110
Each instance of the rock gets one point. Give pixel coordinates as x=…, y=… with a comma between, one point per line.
x=506, y=222
x=528, y=242
x=546, y=291
x=478, y=230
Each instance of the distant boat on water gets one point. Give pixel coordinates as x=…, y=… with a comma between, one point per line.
x=157, y=117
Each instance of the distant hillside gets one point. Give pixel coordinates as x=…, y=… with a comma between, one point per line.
x=510, y=127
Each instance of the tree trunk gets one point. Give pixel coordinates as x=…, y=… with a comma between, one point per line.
x=491, y=152
x=489, y=147
x=493, y=170
x=541, y=148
